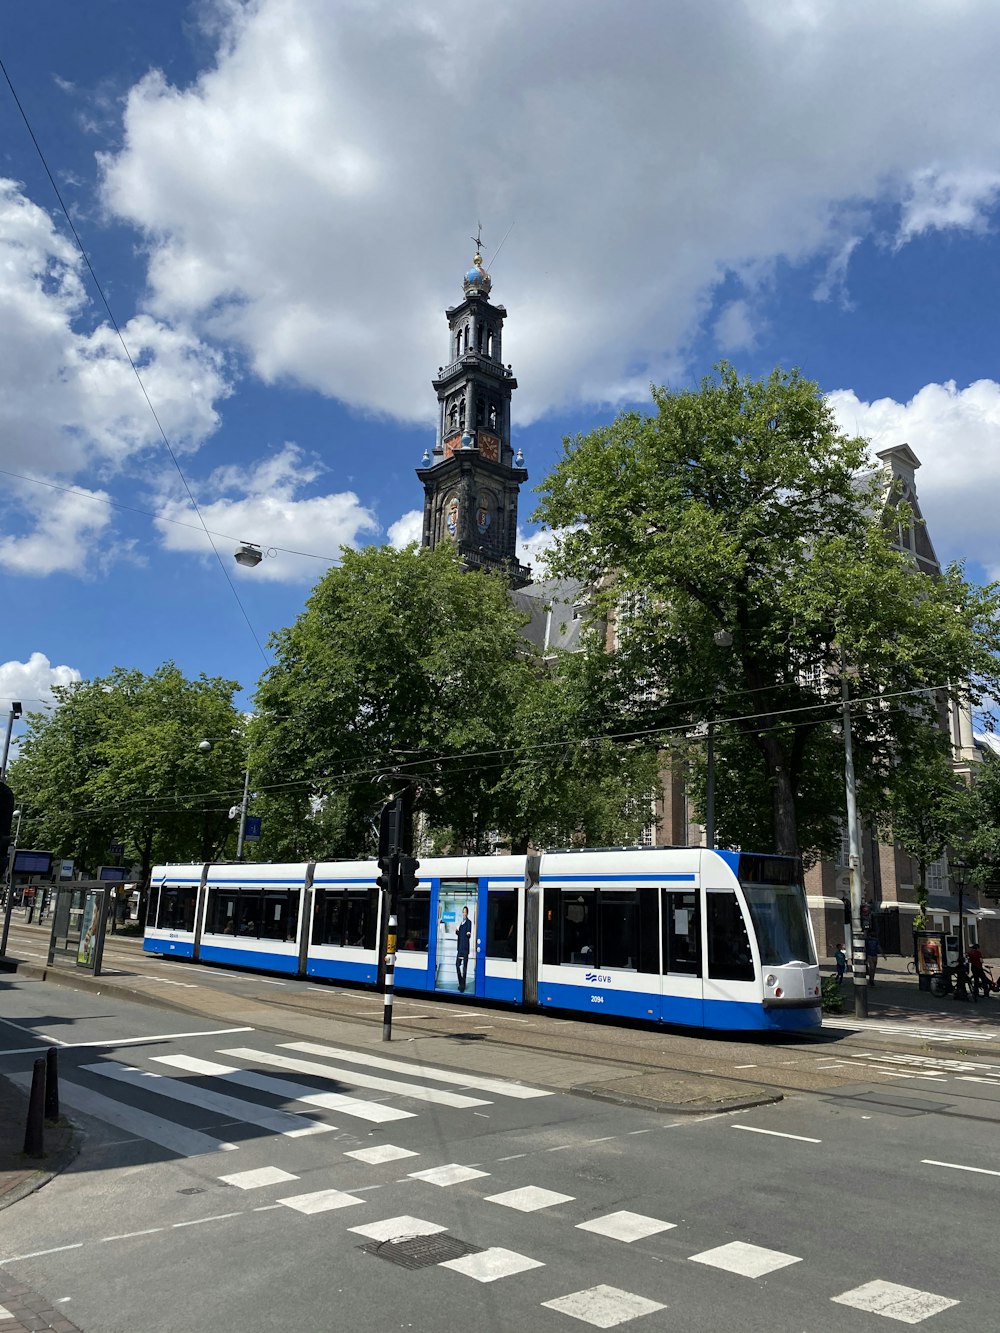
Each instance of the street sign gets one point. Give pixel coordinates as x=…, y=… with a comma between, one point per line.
x=116, y=849
x=251, y=828
x=66, y=870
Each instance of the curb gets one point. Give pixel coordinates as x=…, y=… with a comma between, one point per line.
x=707, y=1105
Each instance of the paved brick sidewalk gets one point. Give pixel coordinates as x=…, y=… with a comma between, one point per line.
x=22, y=1309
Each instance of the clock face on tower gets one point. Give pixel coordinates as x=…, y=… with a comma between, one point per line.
x=489, y=446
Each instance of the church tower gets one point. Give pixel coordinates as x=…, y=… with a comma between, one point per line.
x=471, y=483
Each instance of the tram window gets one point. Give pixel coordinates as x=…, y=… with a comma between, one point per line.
x=279, y=917
x=175, y=909
x=618, y=934
x=328, y=917
x=413, y=922
x=249, y=914
x=649, y=931
x=550, y=927
x=501, y=924
x=221, y=918
x=578, y=922
x=729, y=956
x=360, y=919
x=681, y=933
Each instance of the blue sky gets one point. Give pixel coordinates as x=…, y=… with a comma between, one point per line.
x=278, y=197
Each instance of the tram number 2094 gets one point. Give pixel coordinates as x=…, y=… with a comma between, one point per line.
x=597, y=999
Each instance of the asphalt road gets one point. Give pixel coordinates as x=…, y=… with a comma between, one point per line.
x=231, y=1177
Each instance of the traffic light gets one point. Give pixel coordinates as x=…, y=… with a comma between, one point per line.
x=387, y=867
x=408, y=867
x=6, y=820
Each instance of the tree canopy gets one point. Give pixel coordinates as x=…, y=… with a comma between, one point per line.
x=403, y=664
x=740, y=507
x=117, y=761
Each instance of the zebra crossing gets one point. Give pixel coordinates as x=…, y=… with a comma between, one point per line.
x=191, y=1084
x=371, y=1091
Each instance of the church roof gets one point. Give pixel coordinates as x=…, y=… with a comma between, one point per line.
x=555, y=611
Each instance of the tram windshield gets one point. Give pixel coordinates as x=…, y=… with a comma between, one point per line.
x=781, y=923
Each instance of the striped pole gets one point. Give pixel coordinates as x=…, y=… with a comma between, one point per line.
x=390, y=970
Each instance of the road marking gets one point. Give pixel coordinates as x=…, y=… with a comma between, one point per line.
x=957, y=1166
x=268, y=982
x=166, y=981
x=199, y=1221
x=905, y=1304
x=745, y=1259
x=233, y=1108
x=777, y=1134
x=143, y=1124
x=374, y=1112
x=744, y=1066
x=416, y=1091
x=37, y=1254
x=130, y=1235
x=503, y=1087
x=111, y=1043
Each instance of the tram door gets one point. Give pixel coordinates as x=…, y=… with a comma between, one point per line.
x=458, y=957
x=682, y=1000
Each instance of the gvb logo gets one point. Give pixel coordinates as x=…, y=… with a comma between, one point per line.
x=598, y=976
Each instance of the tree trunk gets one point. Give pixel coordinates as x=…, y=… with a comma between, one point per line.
x=786, y=835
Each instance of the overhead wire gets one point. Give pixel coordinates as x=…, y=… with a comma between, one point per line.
x=128, y=355
x=160, y=518
x=332, y=780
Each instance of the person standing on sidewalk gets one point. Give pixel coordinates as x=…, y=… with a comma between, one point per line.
x=872, y=954
x=979, y=978
x=840, y=958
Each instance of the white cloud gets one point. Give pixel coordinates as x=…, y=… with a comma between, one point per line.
x=63, y=532
x=409, y=527
x=643, y=152
x=734, y=329
x=31, y=682
x=956, y=435
x=942, y=200
x=263, y=503
x=69, y=400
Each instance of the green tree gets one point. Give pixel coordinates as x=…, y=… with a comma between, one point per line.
x=404, y=664
x=928, y=808
x=117, y=761
x=738, y=507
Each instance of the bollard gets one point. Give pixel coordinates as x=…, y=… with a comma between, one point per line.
x=34, y=1132
x=52, y=1084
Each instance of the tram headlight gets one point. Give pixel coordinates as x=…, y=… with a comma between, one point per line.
x=770, y=979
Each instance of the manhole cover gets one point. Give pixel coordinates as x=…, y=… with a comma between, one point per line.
x=193, y=1190
x=420, y=1251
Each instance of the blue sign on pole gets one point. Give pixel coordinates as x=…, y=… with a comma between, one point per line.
x=251, y=829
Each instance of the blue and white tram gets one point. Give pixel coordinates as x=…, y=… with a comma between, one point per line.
x=708, y=939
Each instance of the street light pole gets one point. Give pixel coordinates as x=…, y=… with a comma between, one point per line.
x=243, y=815
x=854, y=837
x=12, y=716
x=9, y=900
x=722, y=638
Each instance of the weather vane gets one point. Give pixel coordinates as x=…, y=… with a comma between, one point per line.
x=478, y=238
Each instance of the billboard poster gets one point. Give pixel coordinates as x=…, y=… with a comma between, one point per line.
x=929, y=958
x=88, y=930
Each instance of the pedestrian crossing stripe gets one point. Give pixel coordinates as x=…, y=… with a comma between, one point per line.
x=376, y=1113
x=234, y=1108
x=416, y=1091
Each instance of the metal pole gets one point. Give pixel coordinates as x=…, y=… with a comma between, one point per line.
x=710, y=786
x=9, y=905
x=243, y=815
x=853, y=833
x=34, y=1129
x=390, y=978
x=14, y=713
